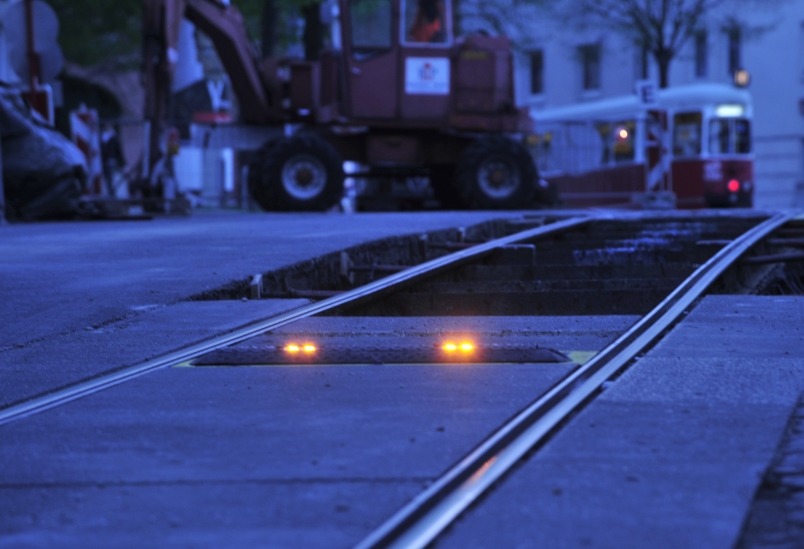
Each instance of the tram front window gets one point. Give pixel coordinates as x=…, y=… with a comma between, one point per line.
x=719, y=136
x=687, y=134
x=729, y=136
x=742, y=131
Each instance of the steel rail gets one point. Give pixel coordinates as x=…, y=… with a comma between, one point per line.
x=419, y=522
x=369, y=291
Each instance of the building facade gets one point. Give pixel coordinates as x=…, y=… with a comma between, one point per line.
x=557, y=66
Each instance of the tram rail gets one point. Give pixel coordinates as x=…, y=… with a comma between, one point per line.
x=351, y=298
x=558, y=257
x=419, y=523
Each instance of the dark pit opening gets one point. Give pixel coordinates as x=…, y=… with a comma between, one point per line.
x=603, y=268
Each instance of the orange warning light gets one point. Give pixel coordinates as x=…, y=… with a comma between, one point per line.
x=309, y=348
x=465, y=346
x=734, y=185
x=292, y=348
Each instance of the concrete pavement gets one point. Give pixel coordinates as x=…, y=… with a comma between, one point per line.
x=668, y=456
x=80, y=299
x=672, y=453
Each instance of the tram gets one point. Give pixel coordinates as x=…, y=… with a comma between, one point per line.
x=690, y=147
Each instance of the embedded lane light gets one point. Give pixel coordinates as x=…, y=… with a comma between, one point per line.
x=464, y=347
x=295, y=348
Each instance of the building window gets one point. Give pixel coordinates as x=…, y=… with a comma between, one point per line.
x=590, y=64
x=701, y=54
x=735, y=43
x=537, y=72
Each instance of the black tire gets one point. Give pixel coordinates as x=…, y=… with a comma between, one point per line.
x=442, y=181
x=299, y=173
x=496, y=173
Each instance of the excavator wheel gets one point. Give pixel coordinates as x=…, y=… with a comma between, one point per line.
x=299, y=173
x=496, y=173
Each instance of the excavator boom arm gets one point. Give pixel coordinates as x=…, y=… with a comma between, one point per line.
x=225, y=27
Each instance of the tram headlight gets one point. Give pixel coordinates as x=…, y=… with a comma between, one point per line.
x=730, y=110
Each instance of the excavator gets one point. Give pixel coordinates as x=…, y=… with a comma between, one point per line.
x=392, y=90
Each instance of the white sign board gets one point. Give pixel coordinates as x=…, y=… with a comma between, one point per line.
x=427, y=76
x=647, y=92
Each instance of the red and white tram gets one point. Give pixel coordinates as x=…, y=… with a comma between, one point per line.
x=690, y=148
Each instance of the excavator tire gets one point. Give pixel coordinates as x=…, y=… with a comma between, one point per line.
x=496, y=173
x=299, y=173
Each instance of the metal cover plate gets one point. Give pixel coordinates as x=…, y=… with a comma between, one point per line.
x=349, y=355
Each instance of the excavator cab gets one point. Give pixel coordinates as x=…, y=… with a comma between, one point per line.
x=397, y=58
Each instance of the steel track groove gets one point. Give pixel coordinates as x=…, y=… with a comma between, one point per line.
x=374, y=289
x=419, y=522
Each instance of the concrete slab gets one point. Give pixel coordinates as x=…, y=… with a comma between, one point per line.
x=746, y=324
x=306, y=444
x=199, y=514
x=51, y=363
x=579, y=337
x=59, y=279
x=671, y=454
x=67, y=276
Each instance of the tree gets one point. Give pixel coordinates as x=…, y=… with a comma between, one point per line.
x=95, y=32
x=661, y=27
x=511, y=18
x=269, y=20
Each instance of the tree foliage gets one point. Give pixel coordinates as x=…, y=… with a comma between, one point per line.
x=108, y=33
x=92, y=32
x=513, y=18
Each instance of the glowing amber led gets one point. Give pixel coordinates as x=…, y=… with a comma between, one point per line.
x=466, y=347
x=309, y=348
x=292, y=348
x=450, y=347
